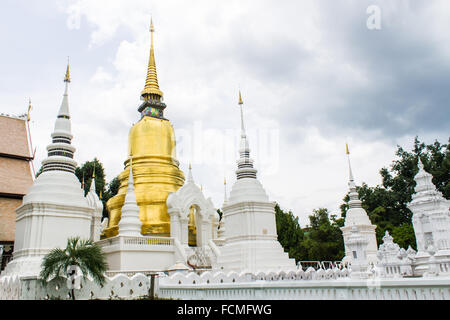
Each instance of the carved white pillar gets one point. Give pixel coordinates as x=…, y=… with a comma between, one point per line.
x=184, y=220
x=174, y=223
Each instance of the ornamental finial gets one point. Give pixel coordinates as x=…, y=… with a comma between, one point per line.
x=29, y=109
x=67, y=77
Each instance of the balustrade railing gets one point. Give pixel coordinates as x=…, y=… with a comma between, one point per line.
x=148, y=241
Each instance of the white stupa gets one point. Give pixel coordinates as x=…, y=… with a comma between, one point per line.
x=130, y=224
x=357, y=217
x=54, y=208
x=431, y=220
x=250, y=233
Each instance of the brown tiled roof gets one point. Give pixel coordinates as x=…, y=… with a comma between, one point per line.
x=15, y=173
x=13, y=137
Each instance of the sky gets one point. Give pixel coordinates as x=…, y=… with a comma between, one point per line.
x=314, y=75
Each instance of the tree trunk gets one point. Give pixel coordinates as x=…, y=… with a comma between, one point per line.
x=73, y=294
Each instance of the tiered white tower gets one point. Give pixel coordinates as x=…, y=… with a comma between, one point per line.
x=431, y=220
x=249, y=217
x=130, y=224
x=55, y=207
x=357, y=217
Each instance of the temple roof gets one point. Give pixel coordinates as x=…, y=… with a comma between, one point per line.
x=13, y=137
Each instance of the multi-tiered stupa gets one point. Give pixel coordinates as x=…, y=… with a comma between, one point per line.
x=155, y=167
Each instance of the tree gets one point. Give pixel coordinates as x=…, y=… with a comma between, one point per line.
x=85, y=173
x=82, y=253
x=324, y=240
x=289, y=232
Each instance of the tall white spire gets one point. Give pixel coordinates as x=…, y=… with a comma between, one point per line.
x=245, y=163
x=130, y=224
x=60, y=151
x=354, y=196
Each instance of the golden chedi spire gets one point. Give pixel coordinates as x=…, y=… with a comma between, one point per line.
x=151, y=89
x=155, y=167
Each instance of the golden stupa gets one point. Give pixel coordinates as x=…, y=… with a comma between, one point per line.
x=156, y=171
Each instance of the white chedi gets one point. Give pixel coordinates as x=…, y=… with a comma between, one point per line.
x=431, y=221
x=130, y=224
x=54, y=208
x=431, y=213
x=251, y=241
x=357, y=217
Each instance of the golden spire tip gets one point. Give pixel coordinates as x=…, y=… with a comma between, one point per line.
x=240, y=98
x=346, y=149
x=67, y=77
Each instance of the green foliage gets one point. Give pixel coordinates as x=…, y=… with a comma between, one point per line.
x=83, y=253
x=85, y=174
x=290, y=235
x=103, y=190
x=322, y=240
x=404, y=235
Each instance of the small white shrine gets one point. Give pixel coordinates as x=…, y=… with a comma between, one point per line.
x=357, y=217
x=431, y=221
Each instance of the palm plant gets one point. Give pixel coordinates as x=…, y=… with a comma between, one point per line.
x=82, y=253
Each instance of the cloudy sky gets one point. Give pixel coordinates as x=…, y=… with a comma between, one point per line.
x=313, y=74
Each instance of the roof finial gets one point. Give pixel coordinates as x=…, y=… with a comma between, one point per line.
x=225, y=190
x=241, y=103
x=29, y=109
x=67, y=77
x=93, y=171
x=349, y=165
x=151, y=83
